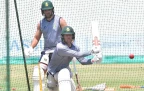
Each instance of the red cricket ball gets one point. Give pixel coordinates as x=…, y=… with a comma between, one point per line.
x=131, y=56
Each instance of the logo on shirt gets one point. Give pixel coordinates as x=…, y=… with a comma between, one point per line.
x=46, y=4
x=45, y=59
x=67, y=29
x=54, y=27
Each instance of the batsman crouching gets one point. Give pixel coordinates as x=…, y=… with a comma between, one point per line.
x=60, y=75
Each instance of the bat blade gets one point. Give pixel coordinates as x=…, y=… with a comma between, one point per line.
x=130, y=86
x=99, y=87
x=95, y=33
x=40, y=80
x=127, y=86
x=96, y=40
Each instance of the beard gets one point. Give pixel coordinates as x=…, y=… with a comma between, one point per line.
x=68, y=41
x=48, y=15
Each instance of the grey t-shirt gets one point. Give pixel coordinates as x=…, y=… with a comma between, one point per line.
x=63, y=55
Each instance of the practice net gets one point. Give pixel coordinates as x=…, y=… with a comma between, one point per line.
x=121, y=28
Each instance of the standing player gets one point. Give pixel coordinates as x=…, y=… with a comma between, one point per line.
x=50, y=26
x=60, y=75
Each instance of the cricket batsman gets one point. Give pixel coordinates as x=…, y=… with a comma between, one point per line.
x=50, y=26
x=59, y=72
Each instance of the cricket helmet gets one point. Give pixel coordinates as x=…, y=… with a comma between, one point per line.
x=67, y=30
x=47, y=5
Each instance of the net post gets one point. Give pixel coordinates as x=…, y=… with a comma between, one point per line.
x=7, y=47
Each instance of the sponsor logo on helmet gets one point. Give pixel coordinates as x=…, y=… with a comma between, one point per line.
x=46, y=4
x=67, y=29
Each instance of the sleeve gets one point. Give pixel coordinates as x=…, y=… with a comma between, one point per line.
x=84, y=61
x=72, y=53
x=75, y=53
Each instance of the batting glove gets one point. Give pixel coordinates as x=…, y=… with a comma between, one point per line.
x=28, y=51
x=97, y=58
x=95, y=49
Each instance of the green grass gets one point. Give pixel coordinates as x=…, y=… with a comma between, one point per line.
x=89, y=75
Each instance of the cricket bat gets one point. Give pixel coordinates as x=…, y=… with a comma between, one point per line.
x=96, y=38
x=130, y=86
x=99, y=87
x=40, y=80
x=78, y=88
x=106, y=89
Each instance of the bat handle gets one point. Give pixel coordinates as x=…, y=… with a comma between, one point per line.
x=77, y=79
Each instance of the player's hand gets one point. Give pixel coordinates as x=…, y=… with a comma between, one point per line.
x=97, y=58
x=28, y=51
x=79, y=88
x=95, y=49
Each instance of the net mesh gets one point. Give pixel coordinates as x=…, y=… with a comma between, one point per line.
x=121, y=33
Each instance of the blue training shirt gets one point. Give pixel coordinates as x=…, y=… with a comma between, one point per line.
x=51, y=31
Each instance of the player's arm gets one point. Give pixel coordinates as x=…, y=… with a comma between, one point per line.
x=37, y=36
x=78, y=54
x=62, y=23
x=96, y=59
x=83, y=60
x=64, y=51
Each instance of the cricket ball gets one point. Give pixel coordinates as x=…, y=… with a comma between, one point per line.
x=131, y=56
